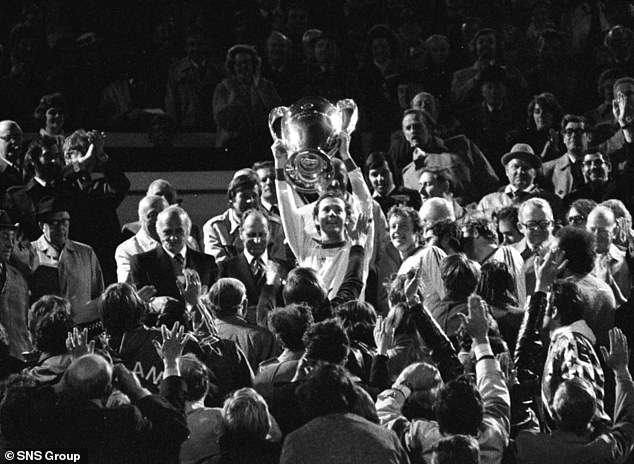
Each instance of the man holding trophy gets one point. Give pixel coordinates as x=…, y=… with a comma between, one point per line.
x=312, y=131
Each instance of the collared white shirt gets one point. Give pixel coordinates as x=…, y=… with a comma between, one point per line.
x=512, y=189
x=183, y=253
x=376, y=194
x=48, y=255
x=266, y=204
x=250, y=257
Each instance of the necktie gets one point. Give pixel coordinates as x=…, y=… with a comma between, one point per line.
x=257, y=268
x=518, y=196
x=577, y=175
x=179, y=264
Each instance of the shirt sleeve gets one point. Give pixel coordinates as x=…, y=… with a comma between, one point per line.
x=291, y=221
x=495, y=395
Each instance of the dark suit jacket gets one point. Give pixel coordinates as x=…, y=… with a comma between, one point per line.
x=154, y=267
x=238, y=267
x=20, y=202
x=151, y=430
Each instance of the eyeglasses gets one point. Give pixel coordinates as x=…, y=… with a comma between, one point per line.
x=578, y=219
x=570, y=132
x=596, y=162
x=535, y=225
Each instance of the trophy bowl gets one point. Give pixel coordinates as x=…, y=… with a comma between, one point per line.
x=310, y=128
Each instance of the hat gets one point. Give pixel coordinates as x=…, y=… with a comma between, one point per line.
x=524, y=152
x=5, y=221
x=49, y=205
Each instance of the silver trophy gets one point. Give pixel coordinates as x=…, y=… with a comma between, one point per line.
x=309, y=128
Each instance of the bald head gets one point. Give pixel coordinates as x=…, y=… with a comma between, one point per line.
x=164, y=189
x=10, y=141
x=149, y=208
x=602, y=223
x=88, y=377
x=435, y=210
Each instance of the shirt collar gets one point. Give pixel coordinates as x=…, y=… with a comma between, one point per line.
x=145, y=240
x=249, y=256
x=234, y=221
x=183, y=253
x=266, y=204
x=571, y=159
x=375, y=194
x=580, y=326
x=43, y=245
x=512, y=189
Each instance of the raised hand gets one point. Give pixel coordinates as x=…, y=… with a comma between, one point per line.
x=412, y=285
x=548, y=268
x=618, y=357
x=147, y=292
x=173, y=344
x=272, y=273
x=344, y=145
x=191, y=290
x=383, y=335
x=280, y=153
x=77, y=343
x=476, y=323
x=359, y=232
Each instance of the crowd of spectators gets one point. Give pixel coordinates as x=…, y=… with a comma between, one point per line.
x=457, y=288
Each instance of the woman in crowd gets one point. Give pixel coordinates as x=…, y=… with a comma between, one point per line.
x=544, y=116
x=50, y=113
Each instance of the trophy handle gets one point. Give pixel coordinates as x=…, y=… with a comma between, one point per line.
x=274, y=115
x=349, y=114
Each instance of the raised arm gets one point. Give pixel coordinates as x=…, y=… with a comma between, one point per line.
x=291, y=221
x=621, y=437
x=491, y=385
x=360, y=190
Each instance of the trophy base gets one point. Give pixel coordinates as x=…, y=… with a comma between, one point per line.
x=308, y=169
